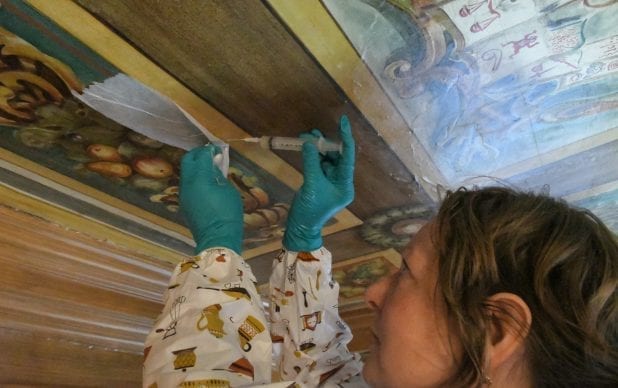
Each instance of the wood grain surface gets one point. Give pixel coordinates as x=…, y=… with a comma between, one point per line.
x=243, y=61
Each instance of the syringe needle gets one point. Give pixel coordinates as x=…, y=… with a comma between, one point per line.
x=246, y=139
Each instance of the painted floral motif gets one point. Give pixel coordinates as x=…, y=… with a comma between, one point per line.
x=36, y=102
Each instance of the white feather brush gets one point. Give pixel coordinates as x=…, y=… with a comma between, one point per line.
x=136, y=106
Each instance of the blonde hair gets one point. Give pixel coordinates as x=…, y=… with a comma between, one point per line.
x=562, y=261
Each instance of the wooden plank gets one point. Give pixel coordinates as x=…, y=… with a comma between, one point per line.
x=15, y=200
x=317, y=30
x=70, y=285
x=105, y=328
x=245, y=64
x=122, y=55
x=33, y=359
x=32, y=243
x=576, y=173
x=592, y=192
x=558, y=154
x=26, y=279
x=74, y=309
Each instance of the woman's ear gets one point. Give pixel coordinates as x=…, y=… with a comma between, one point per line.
x=509, y=324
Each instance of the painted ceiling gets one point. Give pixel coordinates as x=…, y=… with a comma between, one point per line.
x=440, y=94
x=521, y=93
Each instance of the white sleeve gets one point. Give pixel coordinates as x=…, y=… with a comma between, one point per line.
x=212, y=329
x=305, y=318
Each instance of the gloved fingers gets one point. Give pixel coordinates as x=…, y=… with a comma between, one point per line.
x=215, y=172
x=207, y=158
x=313, y=134
x=189, y=157
x=348, y=147
x=328, y=168
x=306, y=136
x=197, y=154
x=348, y=153
x=208, y=153
x=331, y=157
x=316, y=133
x=200, y=161
x=312, y=170
x=188, y=165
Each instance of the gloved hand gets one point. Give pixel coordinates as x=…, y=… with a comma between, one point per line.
x=209, y=202
x=327, y=188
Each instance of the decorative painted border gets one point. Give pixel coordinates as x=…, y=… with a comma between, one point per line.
x=84, y=27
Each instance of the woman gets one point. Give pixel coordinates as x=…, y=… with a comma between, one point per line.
x=502, y=288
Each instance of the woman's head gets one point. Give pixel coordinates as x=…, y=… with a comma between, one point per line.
x=523, y=282
x=562, y=262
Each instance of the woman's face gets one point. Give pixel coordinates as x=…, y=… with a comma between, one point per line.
x=412, y=346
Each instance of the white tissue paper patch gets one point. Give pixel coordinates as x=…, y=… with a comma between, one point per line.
x=146, y=111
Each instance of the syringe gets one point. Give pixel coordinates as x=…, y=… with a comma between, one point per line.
x=292, y=143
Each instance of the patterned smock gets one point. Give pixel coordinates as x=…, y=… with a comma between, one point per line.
x=213, y=331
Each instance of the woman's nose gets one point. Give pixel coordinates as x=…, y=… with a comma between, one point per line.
x=375, y=293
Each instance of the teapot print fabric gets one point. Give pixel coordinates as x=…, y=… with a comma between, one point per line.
x=305, y=321
x=213, y=330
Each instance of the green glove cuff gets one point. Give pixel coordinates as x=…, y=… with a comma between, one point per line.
x=328, y=187
x=210, y=204
x=302, y=239
x=207, y=244
x=228, y=236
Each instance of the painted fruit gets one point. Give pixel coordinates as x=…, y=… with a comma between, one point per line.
x=111, y=169
x=104, y=152
x=153, y=167
x=260, y=195
x=249, y=203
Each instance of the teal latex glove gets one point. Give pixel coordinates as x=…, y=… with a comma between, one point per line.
x=328, y=187
x=210, y=203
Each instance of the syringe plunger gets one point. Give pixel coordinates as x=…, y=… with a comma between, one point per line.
x=294, y=143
